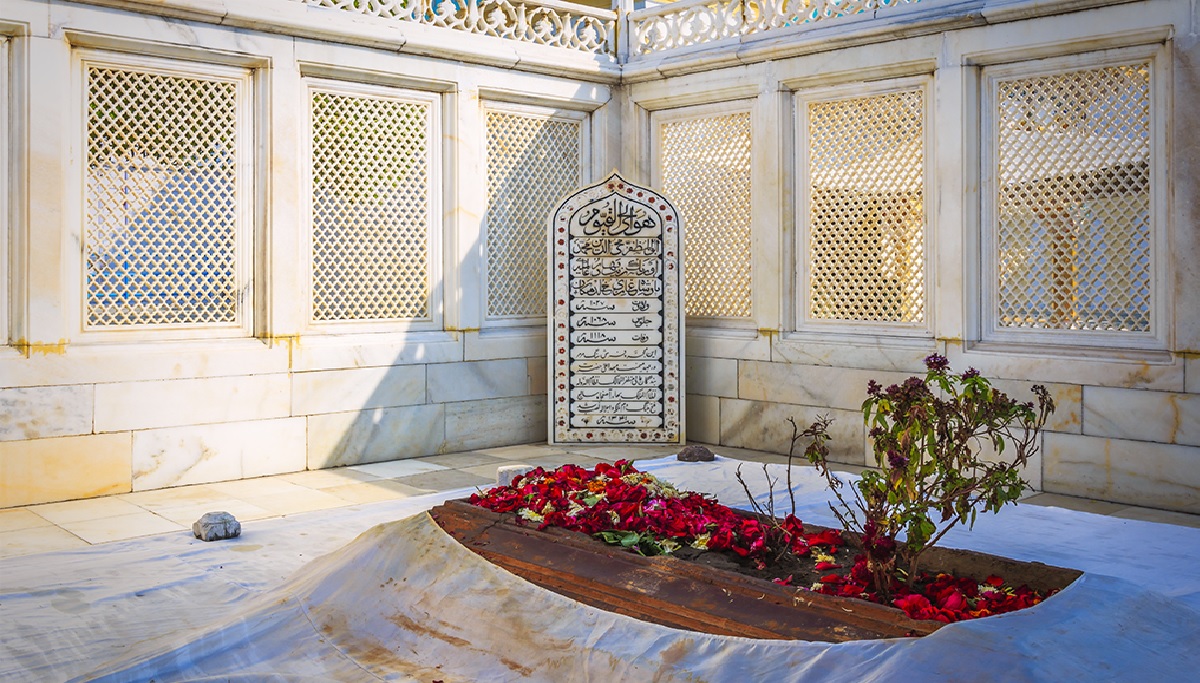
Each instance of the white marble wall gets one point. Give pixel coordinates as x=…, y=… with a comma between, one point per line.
x=85, y=415
x=1127, y=427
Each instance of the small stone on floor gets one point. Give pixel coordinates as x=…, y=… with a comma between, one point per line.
x=695, y=453
x=216, y=526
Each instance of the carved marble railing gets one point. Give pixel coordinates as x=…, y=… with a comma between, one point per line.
x=545, y=22
x=695, y=22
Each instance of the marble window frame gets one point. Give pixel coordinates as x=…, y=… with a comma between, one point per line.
x=802, y=324
x=314, y=80
x=533, y=108
x=185, y=63
x=739, y=103
x=984, y=332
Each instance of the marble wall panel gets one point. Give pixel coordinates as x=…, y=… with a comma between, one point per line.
x=810, y=385
x=715, y=342
x=375, y=435
x=1031, y=473
x=1068, y=402
x=477, y=380
x=332, y=352
x=505, y=343
x=763, y=426
x=1158, y=416
x=883, y=355
x=176, y=456
x=43, y=412
x=1162, y=373
x=335, y=391
x=495, y=422
x=1191, y=374
x=180, y=402
x=703, y=424
x=712, y=376
x=538, y=372
x=102, y=363
x=1155, y=475
x=64, y=468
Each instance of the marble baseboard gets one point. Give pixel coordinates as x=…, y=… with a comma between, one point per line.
x=375, y=435
x=64, y=468
x=703, y=423
x=1164, y=476
x=1158, y=416
x=178, y=456
x=497, y=422
x=763, y=426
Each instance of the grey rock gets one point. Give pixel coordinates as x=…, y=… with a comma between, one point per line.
x=695, y=453
x=216, y=526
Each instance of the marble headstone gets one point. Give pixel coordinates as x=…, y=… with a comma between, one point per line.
x=616, y=329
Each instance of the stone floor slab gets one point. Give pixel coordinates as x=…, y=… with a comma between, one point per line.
x=398, y=468
x=374, y=491
x=121, y=527
x=17, y=519
x=42, y=539
x=73, y=511
x=446, y=480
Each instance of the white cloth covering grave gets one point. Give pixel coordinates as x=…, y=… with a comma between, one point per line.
x=402, y=601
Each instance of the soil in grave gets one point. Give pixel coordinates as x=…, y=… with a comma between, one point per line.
x=788, y=568
x=801, y=571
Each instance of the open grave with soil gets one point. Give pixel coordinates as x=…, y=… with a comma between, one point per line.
x=715, y=582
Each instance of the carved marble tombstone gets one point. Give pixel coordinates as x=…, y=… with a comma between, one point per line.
x=616, y=329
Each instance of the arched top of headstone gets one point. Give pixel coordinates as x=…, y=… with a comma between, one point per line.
x=616, y=333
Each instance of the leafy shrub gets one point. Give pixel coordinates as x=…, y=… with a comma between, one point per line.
x=928, y=438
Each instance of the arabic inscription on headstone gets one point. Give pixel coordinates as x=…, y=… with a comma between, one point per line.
x=616, y=334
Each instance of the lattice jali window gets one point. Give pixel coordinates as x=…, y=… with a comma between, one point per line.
x=1072, y=206
x=866, y=218
x=370, y=207
x=532, y=161
x=705, y=169
x=161, y=198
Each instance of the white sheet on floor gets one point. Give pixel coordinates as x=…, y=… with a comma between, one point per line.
x=404, y=602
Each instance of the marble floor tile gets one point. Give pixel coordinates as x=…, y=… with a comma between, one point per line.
x=197, y=494
x=83, y=510
x=397, y=468
x=1159, y=516
x=121, y=527
x=324, y=479
x=461, y=461
x=38, y=540
x=187, y=512
x=446, y=480
x=374, y=491
x=17, y=519
x=1073, y=503
x=489, y=471
x=252, y=489
x=523, y=451
x=306, y=500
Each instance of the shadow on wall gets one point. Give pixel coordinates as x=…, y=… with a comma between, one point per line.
x=429, y=400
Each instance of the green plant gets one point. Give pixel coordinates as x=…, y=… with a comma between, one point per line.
x=928, y=438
